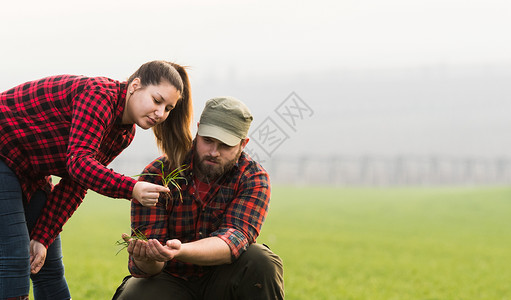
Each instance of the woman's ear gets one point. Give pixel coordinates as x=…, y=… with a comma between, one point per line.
x=134, y=85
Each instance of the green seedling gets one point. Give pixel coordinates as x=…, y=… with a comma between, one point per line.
x=138, y=235
x=169, y=179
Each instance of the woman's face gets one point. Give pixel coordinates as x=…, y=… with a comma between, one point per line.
x=149, y=105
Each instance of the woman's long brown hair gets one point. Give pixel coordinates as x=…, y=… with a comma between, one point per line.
x=173, y=136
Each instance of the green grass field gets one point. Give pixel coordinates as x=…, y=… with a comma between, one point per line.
x=340, y=243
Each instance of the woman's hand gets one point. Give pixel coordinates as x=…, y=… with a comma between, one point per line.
x=37, y=256
x=148, y=193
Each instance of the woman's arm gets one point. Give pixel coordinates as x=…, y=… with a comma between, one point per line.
x=62, y=202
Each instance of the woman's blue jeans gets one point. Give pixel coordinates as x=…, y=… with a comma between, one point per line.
x=15, y=223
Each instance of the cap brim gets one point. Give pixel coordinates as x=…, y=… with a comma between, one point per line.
x=218, y=133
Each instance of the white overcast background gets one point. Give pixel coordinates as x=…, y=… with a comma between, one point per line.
x=261, y=51
x=115, y=37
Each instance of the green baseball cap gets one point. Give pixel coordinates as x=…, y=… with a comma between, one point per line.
x=226, y=119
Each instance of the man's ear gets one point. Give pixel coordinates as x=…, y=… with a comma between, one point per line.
x=244, y=142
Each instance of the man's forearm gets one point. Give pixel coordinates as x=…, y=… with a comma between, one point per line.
x=210, y=251
x=205, y=252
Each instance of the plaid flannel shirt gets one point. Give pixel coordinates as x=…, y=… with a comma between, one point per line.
x=68, y=126
x=234, y=210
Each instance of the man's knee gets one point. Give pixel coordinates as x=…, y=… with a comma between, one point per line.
x=262, y=273
x=155, y=287
x=260, y=257
x=134, y=288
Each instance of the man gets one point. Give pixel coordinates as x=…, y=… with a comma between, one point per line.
x=201, y=238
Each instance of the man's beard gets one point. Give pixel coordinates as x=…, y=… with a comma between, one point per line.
x=210, y=173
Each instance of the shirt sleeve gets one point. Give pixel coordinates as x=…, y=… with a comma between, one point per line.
x=245, y=216
x=56, y=212
x=92, y=116
x=96, y=151
x=68, y=195
x=113, y=144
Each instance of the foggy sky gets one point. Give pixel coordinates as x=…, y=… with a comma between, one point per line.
x=392, y=77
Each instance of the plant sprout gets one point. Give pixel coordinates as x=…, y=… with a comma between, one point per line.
x=138, y=235
x=170, y=178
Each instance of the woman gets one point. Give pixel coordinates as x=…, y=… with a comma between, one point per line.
x=72, y=127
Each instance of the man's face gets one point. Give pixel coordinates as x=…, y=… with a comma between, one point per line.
x=213, y=158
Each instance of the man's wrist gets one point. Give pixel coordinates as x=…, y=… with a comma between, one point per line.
x=141, y=267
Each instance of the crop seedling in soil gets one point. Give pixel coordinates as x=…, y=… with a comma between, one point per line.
x=168, y=179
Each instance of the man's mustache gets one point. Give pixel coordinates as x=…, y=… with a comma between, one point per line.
x=211, y=159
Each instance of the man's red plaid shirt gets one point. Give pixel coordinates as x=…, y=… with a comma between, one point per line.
x=68, y=126
x=234, y=210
